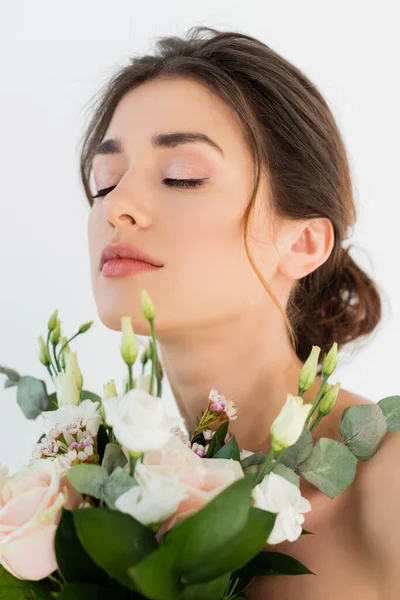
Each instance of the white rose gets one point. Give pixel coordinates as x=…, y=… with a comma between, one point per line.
x=155, y=499
x=139, y=420
x=87, y=411
x=289, y=424
x=277, y=495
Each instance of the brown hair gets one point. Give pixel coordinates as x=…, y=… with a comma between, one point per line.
x=295, y=140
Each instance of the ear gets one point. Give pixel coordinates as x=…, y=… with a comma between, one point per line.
x=304, y=246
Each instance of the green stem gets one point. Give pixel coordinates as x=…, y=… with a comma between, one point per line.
x=159, y=388
x=317, y=420
x=154, y=355
x=278, y=458
x=133, y=458
x=55, y=358
x=67, y=342
x=49, y=351
x=318, y=398
x=265, y=466
x=130, y=383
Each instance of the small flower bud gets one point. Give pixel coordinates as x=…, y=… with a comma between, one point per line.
x=72, y=366
x=66, y=389
x=109, y=390
x=129, y=348
x=330, y=361
x=329, y=399
x=52, y=323
x=309, y=370
x=43, y=353
x=83, y=328
x=55, y=334
x=289, y=424
x=147, y=306
x=63, y=341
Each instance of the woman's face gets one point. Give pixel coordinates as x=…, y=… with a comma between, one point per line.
x=197, y=232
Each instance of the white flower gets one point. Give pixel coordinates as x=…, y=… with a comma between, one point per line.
x=245, y=454
x=289, y=424
x=143, y=382
x=139, y=420
x=86, y=413
x=155, y=499
x=277, y=495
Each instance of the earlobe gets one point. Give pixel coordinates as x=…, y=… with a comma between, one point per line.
x=307, y=247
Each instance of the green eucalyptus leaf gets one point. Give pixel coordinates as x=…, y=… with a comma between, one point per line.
x=114, y=540
x=253, y=463
x=287, y=474
x=229, y=450
x=113, y=457
x=273, y=563
x=88, y=479
x=32, y=396
x=10, y=383
x=117, y=484
x=331, y=467
x=11, y=374
x=74, y=563
x=391, y=409
x=362, y=428
x=88, y=395
x=292, y=456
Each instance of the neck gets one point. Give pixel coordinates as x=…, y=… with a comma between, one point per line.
x=248, y=360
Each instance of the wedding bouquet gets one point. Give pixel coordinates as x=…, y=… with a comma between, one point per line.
x=118, y=501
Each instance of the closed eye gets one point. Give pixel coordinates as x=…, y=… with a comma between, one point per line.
x=182, y=183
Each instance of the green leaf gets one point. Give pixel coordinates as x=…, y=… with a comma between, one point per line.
x=391, y=409
x=292, y=456
x=102, y=441
x=287, y=474
x=74, y=563
x=12, y=588
x=88, y=479
x=217, y=440
x=209, y=590
x=10, y=383
x=305, y=532
x=229, y=450
x=363, y=427
x=87, y=395
x=237, y=552
x=113, y=457
x=165, y=585
x=85, y=591
x=273, y=563
x=11, y=374
x=253, y=463
x=216, y=524
x=117, y=484
x=114, y=540
x=32, y=396
x=53, y=402
x=331, y=467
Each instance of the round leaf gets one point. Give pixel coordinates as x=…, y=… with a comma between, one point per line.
x=32, y=396
x=363, y=427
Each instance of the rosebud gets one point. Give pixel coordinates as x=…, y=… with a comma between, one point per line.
x=329, y=399
x=43, y=353
x=147, y=306
x=66, y=389
x=72, y=366
x=129, y=349
x=55, y=334
x=83, y=328
x=309, y=370
x=52, y=323
x=289, y=424
x=330, y=361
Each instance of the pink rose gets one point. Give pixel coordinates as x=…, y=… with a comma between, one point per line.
x=30, y=510
x=204, y=477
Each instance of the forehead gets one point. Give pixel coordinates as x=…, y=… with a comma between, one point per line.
x=176, y=104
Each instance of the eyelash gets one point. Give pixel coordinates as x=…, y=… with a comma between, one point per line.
x=182, y=183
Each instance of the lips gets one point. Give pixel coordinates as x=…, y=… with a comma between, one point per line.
x=127, y=250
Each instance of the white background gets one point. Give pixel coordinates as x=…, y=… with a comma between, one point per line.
x=55, y=56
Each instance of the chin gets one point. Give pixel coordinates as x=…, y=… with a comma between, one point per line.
x=112, y=320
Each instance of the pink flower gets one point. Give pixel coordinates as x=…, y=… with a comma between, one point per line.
x=30, y=509
x=204, y=477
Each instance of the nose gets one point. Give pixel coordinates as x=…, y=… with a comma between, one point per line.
x=121, y=209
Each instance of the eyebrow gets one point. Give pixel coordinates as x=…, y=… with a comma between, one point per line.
x=161, y=140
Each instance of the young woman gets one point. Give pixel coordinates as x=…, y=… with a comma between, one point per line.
x=222, y=164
